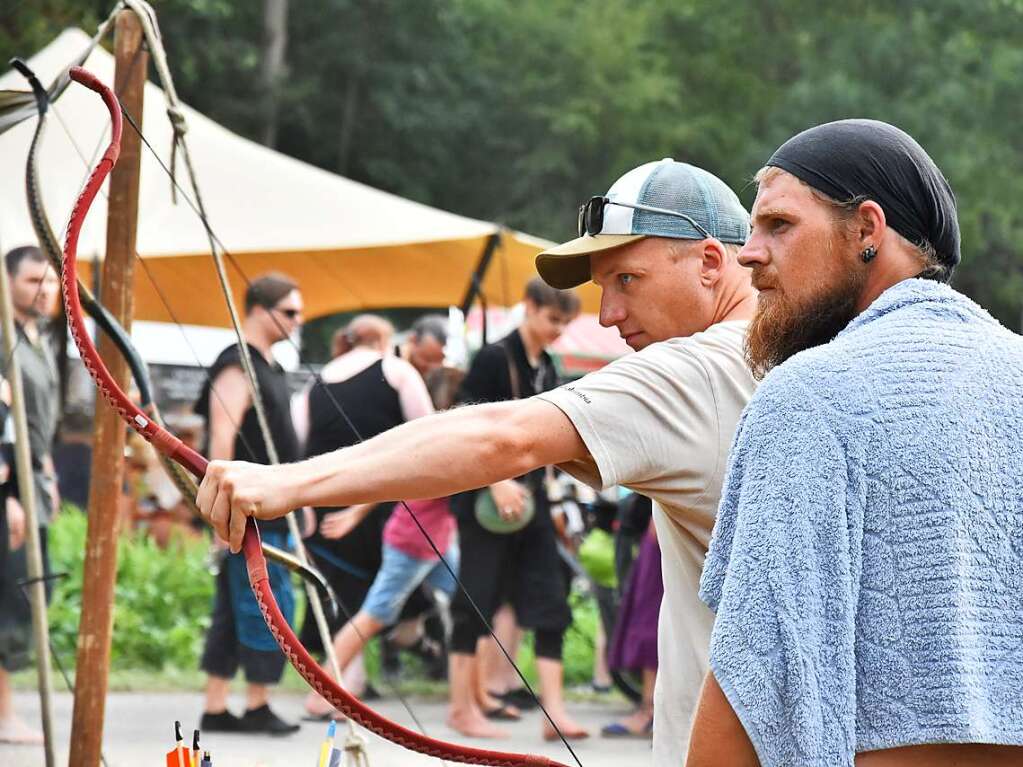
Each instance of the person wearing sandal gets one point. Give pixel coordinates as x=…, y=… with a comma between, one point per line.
x=634, y=644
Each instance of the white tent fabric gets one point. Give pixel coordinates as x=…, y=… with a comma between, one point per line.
x=269, y=209
x=258, y=199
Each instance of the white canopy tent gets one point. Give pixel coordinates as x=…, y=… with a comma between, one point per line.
x=350, y=246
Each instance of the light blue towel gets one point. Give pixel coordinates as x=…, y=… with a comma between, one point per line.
x=867, y=563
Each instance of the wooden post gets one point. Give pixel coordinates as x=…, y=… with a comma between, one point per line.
x=26, y=487
x=100, y=568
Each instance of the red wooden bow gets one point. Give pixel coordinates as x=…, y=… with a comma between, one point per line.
x=170, y=445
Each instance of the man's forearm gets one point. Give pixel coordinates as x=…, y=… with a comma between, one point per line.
x=436, y=456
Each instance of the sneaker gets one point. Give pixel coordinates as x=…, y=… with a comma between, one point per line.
x=263, y=720
x=225, y=721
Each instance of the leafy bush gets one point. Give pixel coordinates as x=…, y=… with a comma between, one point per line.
x=162, y=598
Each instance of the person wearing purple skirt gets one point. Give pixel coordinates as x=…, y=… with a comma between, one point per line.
x=634, y=643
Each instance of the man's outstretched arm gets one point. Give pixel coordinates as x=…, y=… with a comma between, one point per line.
x=427, y=458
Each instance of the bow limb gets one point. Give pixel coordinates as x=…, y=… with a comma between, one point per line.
x=116, y=332
x=99, y=313
x=165, y=442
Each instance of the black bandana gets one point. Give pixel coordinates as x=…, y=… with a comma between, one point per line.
x=868, y=158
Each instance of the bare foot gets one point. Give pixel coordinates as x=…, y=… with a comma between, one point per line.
x=15, y=730
x=473, y=724
x=488, y=702
x=317, y=706
x=569, y=728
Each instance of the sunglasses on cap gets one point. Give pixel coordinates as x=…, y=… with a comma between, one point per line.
x=591, y=215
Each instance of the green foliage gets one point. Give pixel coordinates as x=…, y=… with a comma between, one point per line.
x=162, y=598
x=515, y=111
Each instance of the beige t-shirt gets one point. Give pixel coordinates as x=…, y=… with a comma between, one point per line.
x=660, y=422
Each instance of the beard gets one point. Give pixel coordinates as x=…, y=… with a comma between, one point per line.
x=783, y=326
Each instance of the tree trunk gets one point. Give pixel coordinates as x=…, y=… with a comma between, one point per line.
x=344, y=144
x=275, y=43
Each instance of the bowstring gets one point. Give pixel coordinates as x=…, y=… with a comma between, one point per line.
x=152, y=37
x=344, y=607
x=170, y=311
x=184, y=336
x=305, y=570
x=341, y=411
x=213, y=390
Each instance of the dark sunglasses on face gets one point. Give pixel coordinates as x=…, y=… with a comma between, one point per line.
x=591, y=215
x=291, y=314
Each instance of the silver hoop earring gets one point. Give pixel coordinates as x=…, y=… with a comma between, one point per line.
x=868, y=253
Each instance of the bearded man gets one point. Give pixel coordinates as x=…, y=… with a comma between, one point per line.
x=866, y=564
x=662, y=244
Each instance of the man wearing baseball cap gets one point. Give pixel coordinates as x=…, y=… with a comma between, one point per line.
x=866, y=566
x=662, y=244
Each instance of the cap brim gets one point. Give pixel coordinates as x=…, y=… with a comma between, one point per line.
x=568, y=265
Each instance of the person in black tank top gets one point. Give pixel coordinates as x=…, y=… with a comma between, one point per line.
x=351, y=401
x=238, y=635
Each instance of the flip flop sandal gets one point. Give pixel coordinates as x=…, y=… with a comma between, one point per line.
x=520, y=698
x=503, y=713
x=619, y=730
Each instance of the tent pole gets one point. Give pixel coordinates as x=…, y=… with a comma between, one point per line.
x=479, y=274
x=100, y=567
x=36, y=590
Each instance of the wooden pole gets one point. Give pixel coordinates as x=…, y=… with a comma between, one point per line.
x=26, y=487
x=100, y=568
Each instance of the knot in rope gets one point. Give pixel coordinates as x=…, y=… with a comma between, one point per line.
x=355, y=750
x=177, y=121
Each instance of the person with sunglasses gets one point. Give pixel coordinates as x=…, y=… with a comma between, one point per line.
x=662, y=244
x=237, y=635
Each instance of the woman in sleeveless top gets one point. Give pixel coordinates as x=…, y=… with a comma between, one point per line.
x=362, y=392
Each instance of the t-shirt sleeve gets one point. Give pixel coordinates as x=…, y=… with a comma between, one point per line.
x=782, y=574
x=646, y=419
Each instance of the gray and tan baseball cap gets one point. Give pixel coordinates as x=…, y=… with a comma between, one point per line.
x=657, y=199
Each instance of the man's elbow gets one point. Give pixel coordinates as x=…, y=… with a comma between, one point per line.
x=512, y=439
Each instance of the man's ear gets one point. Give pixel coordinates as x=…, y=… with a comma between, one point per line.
x=712, y=262
x=872, y=224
